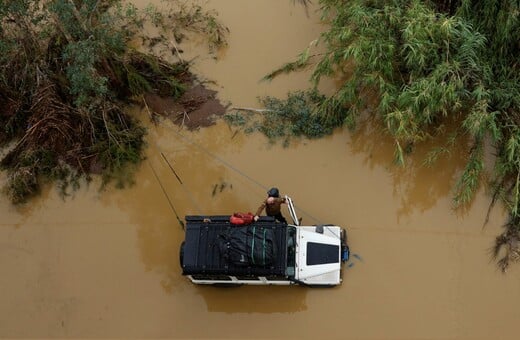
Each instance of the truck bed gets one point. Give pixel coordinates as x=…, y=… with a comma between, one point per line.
x=202, y=254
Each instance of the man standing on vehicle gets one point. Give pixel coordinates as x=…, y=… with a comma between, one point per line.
x=272, y=205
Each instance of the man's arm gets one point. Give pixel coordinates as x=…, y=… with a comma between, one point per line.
x=260, y=209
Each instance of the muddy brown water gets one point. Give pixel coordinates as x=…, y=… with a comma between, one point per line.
x=105, y=264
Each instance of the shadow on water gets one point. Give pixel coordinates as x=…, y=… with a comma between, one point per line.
x=18, y=215
x=254, y=299
x=159, y=233
x=417, y=186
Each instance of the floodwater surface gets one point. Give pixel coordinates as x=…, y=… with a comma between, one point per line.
x=105, y=264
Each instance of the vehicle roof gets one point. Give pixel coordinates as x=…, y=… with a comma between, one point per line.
x=202, y=253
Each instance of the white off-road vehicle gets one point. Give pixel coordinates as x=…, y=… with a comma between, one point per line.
x=266, y=252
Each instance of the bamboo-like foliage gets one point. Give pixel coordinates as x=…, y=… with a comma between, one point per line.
x=426, y=62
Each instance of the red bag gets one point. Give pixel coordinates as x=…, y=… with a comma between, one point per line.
x=242, y=218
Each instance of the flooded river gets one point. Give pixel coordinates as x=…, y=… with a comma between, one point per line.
x=105, y=264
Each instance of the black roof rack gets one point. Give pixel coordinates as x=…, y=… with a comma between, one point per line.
x=202, y=253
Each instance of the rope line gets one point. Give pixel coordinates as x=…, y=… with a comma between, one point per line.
x=229, y=165
x=192, y=199
x=171, y=167
x=167, y=197
x=232, y=167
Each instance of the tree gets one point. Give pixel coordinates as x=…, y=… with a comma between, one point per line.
x=427, y=63
x=67, y=72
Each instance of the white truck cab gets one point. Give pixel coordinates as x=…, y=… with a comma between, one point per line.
x=265, y=252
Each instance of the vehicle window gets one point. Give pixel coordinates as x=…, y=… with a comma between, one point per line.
x=320, y=253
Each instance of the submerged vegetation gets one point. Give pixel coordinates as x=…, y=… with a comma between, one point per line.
x=67, y=72
x=283, y=119
x=427, y=63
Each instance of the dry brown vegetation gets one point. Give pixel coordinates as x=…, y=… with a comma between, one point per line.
x=67, y=73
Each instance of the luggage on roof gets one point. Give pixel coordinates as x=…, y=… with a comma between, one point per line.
x=251, y=245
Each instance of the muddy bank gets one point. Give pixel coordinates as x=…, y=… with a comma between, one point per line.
x=197, y=107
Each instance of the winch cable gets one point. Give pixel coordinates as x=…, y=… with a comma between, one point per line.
x=167, y=197
x=171, y=168
x=232, y=167
x=227, y=164
x=189, y=194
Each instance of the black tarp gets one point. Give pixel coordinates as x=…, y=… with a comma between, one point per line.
x=250, y=245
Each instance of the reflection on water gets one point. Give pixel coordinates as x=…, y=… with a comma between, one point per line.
x=417, y=185
x=254, y=299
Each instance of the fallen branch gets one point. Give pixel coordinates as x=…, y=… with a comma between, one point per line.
x=250, y=109
x=177, y=51
x=185, y=115
x=147, y=108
